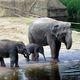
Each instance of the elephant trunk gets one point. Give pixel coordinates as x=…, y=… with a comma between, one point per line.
x=68, y=41
x=44, y=57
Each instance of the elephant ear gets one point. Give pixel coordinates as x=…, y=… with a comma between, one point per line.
x=20, y=47
x=54, y=30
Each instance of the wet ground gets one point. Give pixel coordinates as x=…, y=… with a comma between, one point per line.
x=68, y=67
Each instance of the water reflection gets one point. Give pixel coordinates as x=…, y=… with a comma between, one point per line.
x=47, y=72
x=66, y=71
x=50, y=72
x=10, y=76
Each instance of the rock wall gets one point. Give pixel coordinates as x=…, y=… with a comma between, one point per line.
x=25, y=8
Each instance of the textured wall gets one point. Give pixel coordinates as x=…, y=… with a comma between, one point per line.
x=26, y=8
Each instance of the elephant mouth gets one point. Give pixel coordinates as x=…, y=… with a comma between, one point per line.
x=25, y=55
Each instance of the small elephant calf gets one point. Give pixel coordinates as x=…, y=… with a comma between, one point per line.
x=34, y=49
x=11, y=49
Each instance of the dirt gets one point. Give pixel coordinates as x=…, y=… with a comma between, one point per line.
x=17, y=29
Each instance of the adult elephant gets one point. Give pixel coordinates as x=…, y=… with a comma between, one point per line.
x=47, y=31
x=9, y=48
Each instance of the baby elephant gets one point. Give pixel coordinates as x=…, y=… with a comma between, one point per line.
x=34, y=49
x=11, y=49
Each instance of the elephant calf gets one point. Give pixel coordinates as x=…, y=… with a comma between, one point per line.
x=11, y=49
x=34, y=49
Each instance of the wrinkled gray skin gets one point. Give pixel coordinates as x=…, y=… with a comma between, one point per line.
x=11, y=49
x=35, y=50
x=47, y=31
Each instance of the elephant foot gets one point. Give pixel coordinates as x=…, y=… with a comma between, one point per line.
x=35, y=59
x=38, y=59
x=11, y=66
x=27, y=59
x=16, y=65
x=3, y=65
x=55, y=60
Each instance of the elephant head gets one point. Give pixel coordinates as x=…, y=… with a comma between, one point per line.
x=63, y=33
x=21, y=47
x=26, y=54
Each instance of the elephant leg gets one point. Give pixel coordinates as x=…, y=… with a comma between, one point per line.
x=12, y=58
x=55, y=50
x=32, y=56
x=58, y=45
x=2, y=62
x=36, y=58
x=54, y=46
x=28, y=54
x=11, y=63
x=28, y=58
x=16, y=61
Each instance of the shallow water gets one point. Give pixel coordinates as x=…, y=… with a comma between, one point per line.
x=54, y=71
x=67, y=69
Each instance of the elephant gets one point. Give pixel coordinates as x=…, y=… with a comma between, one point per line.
x=34, y=49
x=9, y=48
x=47, y=31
